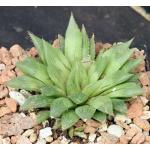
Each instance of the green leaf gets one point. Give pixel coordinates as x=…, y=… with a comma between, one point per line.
x=134, y=90
x=107, y=82
x=26, y=83
x=72, y=84
x=99, y=116
x=73, y=41
x=52, y=91
x=97, y=68
x=119, y=105
x=68, y=119
x=102, y=103
x=55, y=56
x=34, y=69
x=81, y=76
x=118, y=55
x=71, y=132
x=59, y=106
x=92, y=47
x=119, y=87
x=42, y=116
x=78, y=98
x=61, y=42
x=39, y=45
x=37, y=101
x=56, y=76
x=80, y=134
x=131, y=64
x=85, y=43
x=85, y=111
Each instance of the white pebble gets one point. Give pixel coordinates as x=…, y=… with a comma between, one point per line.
x=44, y=133
x=122, y=118
x=146, y=115
x=41, y=141
x=115, y=130
x=2, y=67
x=92, y=137
x=17, y=96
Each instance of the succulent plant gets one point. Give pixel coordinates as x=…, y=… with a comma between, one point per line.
x=72, y=83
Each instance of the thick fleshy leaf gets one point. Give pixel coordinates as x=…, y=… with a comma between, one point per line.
x=26, y=83
x=85, y=43
x=99, y=116
x=102, y=103
x=131, y=64
x=37, y=101
x=81, y=75
x=92, y=47
x=119, y=105
x=68, y=119
x=42, y=116
x=131, y=91
x=56, y=76
x=118, y=56
x=39, y=46
x=119, y=87
x=55, y=56
x=52, y=91
x=97, y=68
x=34, y=69
x=78, y=98
x=107, y=82
x=85, y=111
x=59, y=106
x=73, y=42
x=72, y=84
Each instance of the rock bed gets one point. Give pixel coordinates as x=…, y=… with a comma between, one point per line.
x=18, y=127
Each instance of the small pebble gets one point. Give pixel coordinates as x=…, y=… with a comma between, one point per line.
x=41, y=141
x=99, y=139
x=49, y=139
x=144, y=100
x=92, y=137
x=146, y=133
x=44, y=133
x=146, y=108
x=28, y=132
x=122, y=118
x=136, y=127
x=33, y=137
x=146, y=115
x=6, y=140
x=115, y=130
x=2, y=67
x=64, y=140
x=103, y=127
x=17, y=96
